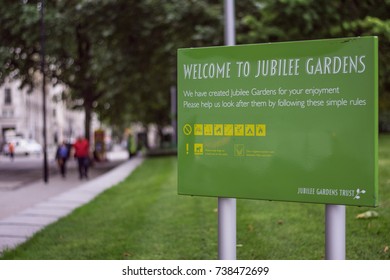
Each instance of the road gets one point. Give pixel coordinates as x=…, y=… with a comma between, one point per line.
x=22, y=170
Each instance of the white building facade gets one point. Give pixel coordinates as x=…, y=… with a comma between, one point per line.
x=21, y=113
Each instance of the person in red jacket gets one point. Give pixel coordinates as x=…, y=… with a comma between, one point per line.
x=11, y=150
x=81, y=152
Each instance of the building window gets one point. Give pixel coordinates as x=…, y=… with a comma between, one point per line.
x=8, y=113
x=7, y=96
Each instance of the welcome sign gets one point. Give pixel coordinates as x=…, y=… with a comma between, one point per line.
x=293, y=121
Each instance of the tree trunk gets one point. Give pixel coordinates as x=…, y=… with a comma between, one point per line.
x=88, y=120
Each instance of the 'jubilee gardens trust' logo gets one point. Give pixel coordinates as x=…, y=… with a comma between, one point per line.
x=354, y=193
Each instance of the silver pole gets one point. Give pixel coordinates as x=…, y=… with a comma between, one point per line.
x=227, y=206
x=227, y=228
x=230, y=32
x=335, y=232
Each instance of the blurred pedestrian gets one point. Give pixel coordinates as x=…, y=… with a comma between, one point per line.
x=81, y=152
x=11, y=150
x=62, y=155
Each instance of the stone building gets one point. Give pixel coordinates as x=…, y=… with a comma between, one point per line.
x=21, y=113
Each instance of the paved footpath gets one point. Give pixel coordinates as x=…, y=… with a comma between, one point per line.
x=53, y=201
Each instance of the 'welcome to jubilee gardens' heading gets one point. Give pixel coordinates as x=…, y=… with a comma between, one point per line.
x=276, y=67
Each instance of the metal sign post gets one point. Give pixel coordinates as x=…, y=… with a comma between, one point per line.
x=227, y=206
x=335, y=232
x=230, y=33
x=227, y=228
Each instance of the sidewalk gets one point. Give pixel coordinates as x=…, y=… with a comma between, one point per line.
x=56, y=200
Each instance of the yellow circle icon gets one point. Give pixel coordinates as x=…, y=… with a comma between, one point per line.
x=187, y=129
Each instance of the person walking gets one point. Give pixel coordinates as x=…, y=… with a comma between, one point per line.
x=11, y=150
x=62, y=155
x=81, y=152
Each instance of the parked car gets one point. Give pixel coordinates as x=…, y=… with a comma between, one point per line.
x=23, y=147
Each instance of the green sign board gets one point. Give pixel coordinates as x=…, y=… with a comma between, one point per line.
x=293, y=121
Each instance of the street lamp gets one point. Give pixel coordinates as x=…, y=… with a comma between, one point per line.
x=45, y=165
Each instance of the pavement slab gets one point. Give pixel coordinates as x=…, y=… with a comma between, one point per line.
x=16, y=229
x=10, y=185
x=10, y=242
x=47, y=212
x=28, y=220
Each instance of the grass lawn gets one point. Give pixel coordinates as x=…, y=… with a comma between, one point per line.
x=144, y=218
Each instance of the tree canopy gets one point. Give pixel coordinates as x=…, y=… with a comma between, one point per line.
x=283, y=20
x=118, y=57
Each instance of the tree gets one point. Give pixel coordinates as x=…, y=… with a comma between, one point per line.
x=77, y=56
x=117, y=57
x=74, y=48
x=282, y=20
x=146, y=37
x=19, y=45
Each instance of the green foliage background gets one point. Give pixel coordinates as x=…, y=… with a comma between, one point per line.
x=118, y=57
